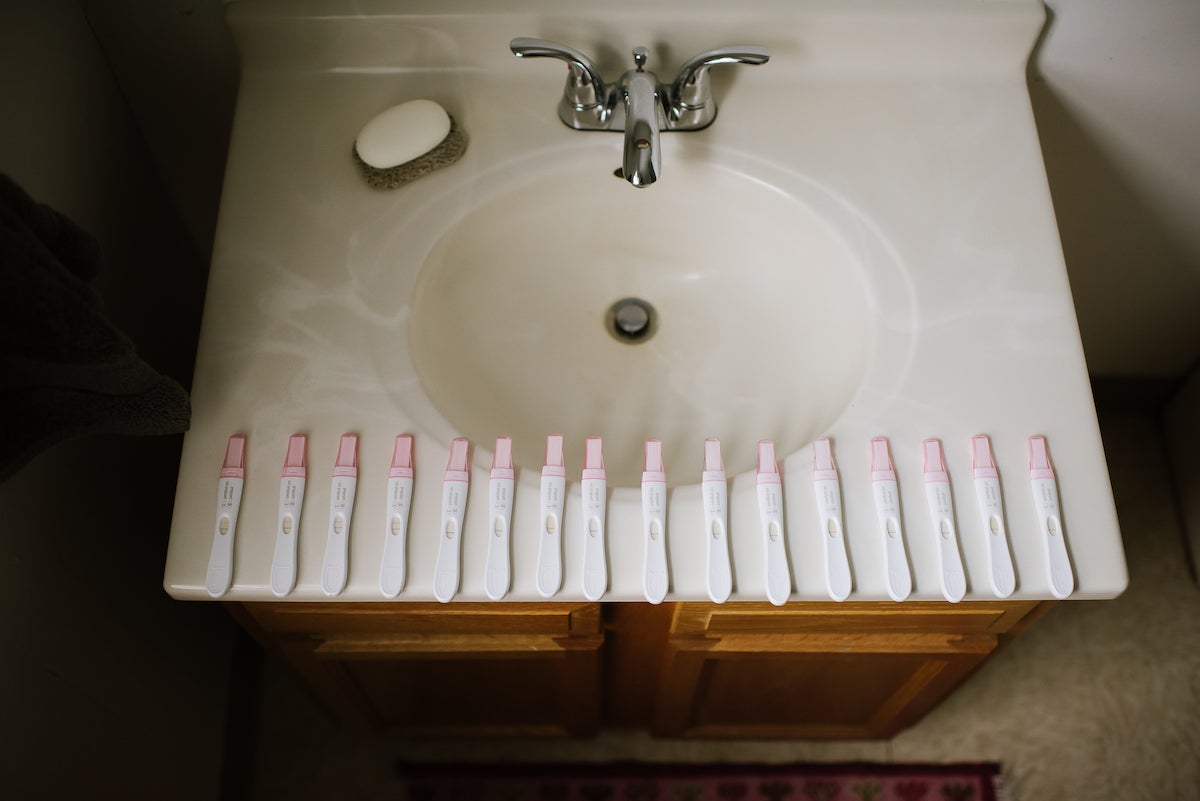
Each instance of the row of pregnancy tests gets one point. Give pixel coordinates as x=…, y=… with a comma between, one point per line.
x=886, y=496
x=334, y=571
x=942, y=523
x=455, y=486
x=656, y=577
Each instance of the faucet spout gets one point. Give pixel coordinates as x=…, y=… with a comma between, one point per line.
x=642, y=162
x=644, y=117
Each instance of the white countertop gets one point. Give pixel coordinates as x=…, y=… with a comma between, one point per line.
x=930, y=140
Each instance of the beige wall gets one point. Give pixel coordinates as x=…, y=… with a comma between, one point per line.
x=1118, y=105
x=111, y=688
x=175, y=64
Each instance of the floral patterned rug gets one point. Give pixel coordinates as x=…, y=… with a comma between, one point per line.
x=684, y=782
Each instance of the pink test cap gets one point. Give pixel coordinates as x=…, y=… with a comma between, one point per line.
x=982, y=465
x=593, y=458
x=502, y=464
x=1039, y=459
x=768, y=471
x=347, y=456
x=881, y=461
x=293, y=463
x=652, y=467
x=402, y=464
x=235, y=457
x=554, y=466
x=935, y=465
x=714, y=466
x=456, y=466
x=824, y=468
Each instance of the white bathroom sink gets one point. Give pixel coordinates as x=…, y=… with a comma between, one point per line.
x=762, y=320
x=861, y=245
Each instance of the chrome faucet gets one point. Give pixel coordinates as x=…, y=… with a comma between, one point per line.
x=637, y=103
x=644, y=118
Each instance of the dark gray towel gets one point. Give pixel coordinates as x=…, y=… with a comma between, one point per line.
x=64, y=369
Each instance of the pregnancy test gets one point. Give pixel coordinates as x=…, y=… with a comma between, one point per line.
x=770, y=515
x=393, y=569
x=715, y=493
x=341, y=508
x=829, y=511
x=291, y=503
x=1001, y=575
x=654, y=523
x=941, y=514
x=595, y=502
x=500, y=503
x=887, y=513
x=1045, y=502
x=219, y=576
x=554, y=486
x=454, y=507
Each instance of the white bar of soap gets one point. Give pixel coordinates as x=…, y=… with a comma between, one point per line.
x=402, y=133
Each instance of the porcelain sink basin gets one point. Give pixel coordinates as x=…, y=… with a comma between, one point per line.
x=861, y=245
x=762, y=322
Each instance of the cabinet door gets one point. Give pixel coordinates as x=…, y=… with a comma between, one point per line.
x=819, y=670
x=428, y=669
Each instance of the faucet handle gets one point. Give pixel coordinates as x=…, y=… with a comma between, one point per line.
x=585, y=95
x=691, y=103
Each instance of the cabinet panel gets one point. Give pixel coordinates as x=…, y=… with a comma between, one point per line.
x=475, y=696
x=490, y=671
x=819, y=670
x=817, y=695
x=556, y=619
x=825, y=693
x=918, y=617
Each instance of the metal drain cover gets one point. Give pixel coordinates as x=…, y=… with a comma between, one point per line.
x=631, y=320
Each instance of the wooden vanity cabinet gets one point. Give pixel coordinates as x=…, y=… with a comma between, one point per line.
x=433, y=669
x=821, y=670
x=737, y=670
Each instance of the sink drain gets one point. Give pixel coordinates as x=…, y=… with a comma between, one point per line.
x=631, y=320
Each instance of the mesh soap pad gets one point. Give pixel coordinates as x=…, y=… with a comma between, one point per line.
x=443, y=154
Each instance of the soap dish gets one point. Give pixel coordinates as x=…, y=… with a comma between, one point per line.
x=449, y=150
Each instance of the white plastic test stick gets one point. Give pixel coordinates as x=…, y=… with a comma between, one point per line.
x=1045, y=502
x=554, y=486
x=655, y=576
x=941, y=516
x=595, y=505
x=1001, y=575
x=770, y=514
x=341, y=509
x=291, y=504
x=887, y=513
x=715, y=492
x=831, y=527
x=219, y=576
x=393, y=569
x=454, y=507
x=497, y=571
